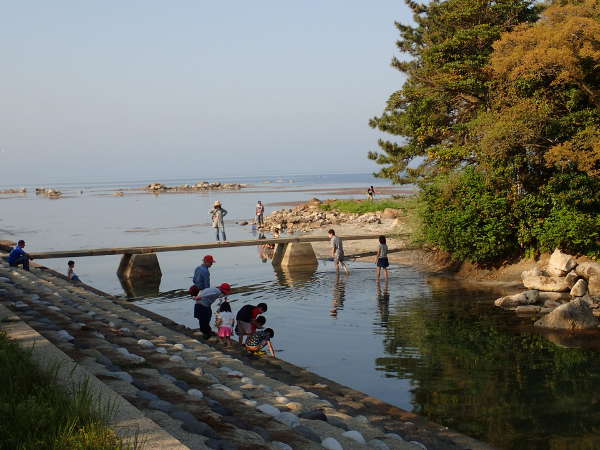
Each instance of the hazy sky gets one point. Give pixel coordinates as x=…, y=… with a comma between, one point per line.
x=149, y=88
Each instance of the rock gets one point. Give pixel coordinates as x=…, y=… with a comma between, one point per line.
x=575, y=315
x=551, y=304
x=394, y=436
x=377, y=444
x=522, y=298
x=250, y=403
x=390, y=213
x=244, y=222
x=182, y=385
x=145, y=343
x=287, y=418
x=281, y=445
x=123, y=376
x=560, y=264
x=201, y=428
x=220, y=387
x=145, y=395
x=588, y=269
x=355, y=436
x=336, y=422
x=176, y=358
x=269, y=410
x=315, y=414
x=179, y=346
x=307, y=433
x=594, y=286
x=544, y=283
x=331, y=444
x=418, y=444
x=527, y=309
x=579, y=289
x=554, y=296
x=161, y=405
x=571, y=278
x=195, y=394
x=64, y=335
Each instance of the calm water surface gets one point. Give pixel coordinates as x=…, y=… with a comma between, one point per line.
x=420, y=343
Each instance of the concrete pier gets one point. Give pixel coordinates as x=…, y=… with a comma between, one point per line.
x=143, y=265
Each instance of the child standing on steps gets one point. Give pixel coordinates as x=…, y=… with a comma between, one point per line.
x=224, y=323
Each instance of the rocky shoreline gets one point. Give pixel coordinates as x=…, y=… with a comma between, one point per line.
x=200, y=394
x=564, y=294
x=310, y=216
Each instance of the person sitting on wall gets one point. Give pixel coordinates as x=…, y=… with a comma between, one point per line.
x=18, y=256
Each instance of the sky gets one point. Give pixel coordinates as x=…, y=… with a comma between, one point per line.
x=154, y=88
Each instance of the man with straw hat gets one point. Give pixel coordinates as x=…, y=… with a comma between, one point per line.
x=217, y=214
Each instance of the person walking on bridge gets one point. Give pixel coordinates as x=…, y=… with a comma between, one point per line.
x=202, y=308
x=217, y=214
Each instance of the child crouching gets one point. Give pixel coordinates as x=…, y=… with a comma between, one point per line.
x=259, y=339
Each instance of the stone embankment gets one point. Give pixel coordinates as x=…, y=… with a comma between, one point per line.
x=310, y=216
x=565, y=293
x=200, y=186
x=198, y=394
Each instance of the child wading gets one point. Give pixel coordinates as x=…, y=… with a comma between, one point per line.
x=224, y=323
x=382, y=259
x=259, y=339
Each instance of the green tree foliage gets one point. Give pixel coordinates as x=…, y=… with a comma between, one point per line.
x=449, y=47
x=518, y=171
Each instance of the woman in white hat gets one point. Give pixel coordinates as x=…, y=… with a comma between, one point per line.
x=217, y=214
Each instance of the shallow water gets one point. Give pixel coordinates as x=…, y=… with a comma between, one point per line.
x=423, y=344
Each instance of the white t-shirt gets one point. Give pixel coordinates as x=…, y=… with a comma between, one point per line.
x=227, y=319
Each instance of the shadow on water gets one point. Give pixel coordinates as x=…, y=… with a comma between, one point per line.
x=482, y=373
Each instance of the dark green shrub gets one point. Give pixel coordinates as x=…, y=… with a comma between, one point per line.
x=465, y=216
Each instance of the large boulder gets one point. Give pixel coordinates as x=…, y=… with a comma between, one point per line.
x=560, y=264
x=390, y=213
x=572, y=278
x=579, y=289
x=522, y=298
x=588, y=269
x=575, y=315
x=544, y=283
x=594, y=286
x=555, y=296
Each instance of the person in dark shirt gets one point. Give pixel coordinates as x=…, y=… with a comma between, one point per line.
x=18, y=256
x=258, y=340
x=246, y=319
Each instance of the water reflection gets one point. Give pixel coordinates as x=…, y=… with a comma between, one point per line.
x=383, y=302
x=141, y=287
x=339, y=295
x=295, y=277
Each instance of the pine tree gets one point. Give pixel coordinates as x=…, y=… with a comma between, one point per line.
x=448, y=49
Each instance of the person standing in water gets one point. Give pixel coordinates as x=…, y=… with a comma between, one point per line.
x=382, y=259
x=260, y=214
x=217, y=214
x=202, y=275
x=337, y=251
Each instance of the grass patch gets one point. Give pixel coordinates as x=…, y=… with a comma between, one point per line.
x=366, y=206
x=35, y=413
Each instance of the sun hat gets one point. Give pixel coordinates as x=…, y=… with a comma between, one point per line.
x=225, y=287
x=208, y=259
x=217, y=203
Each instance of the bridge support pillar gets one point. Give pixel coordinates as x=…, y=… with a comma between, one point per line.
x=278, y=254
x=299, y=255
x=142, y=265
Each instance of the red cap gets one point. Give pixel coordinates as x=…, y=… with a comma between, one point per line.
x=225, y=288
x=209, y=259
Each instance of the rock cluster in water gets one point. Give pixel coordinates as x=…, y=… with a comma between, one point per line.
x=51, y=193
x=566, y=293
x=309, y=216
x=14, y=191
x=200, y=186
